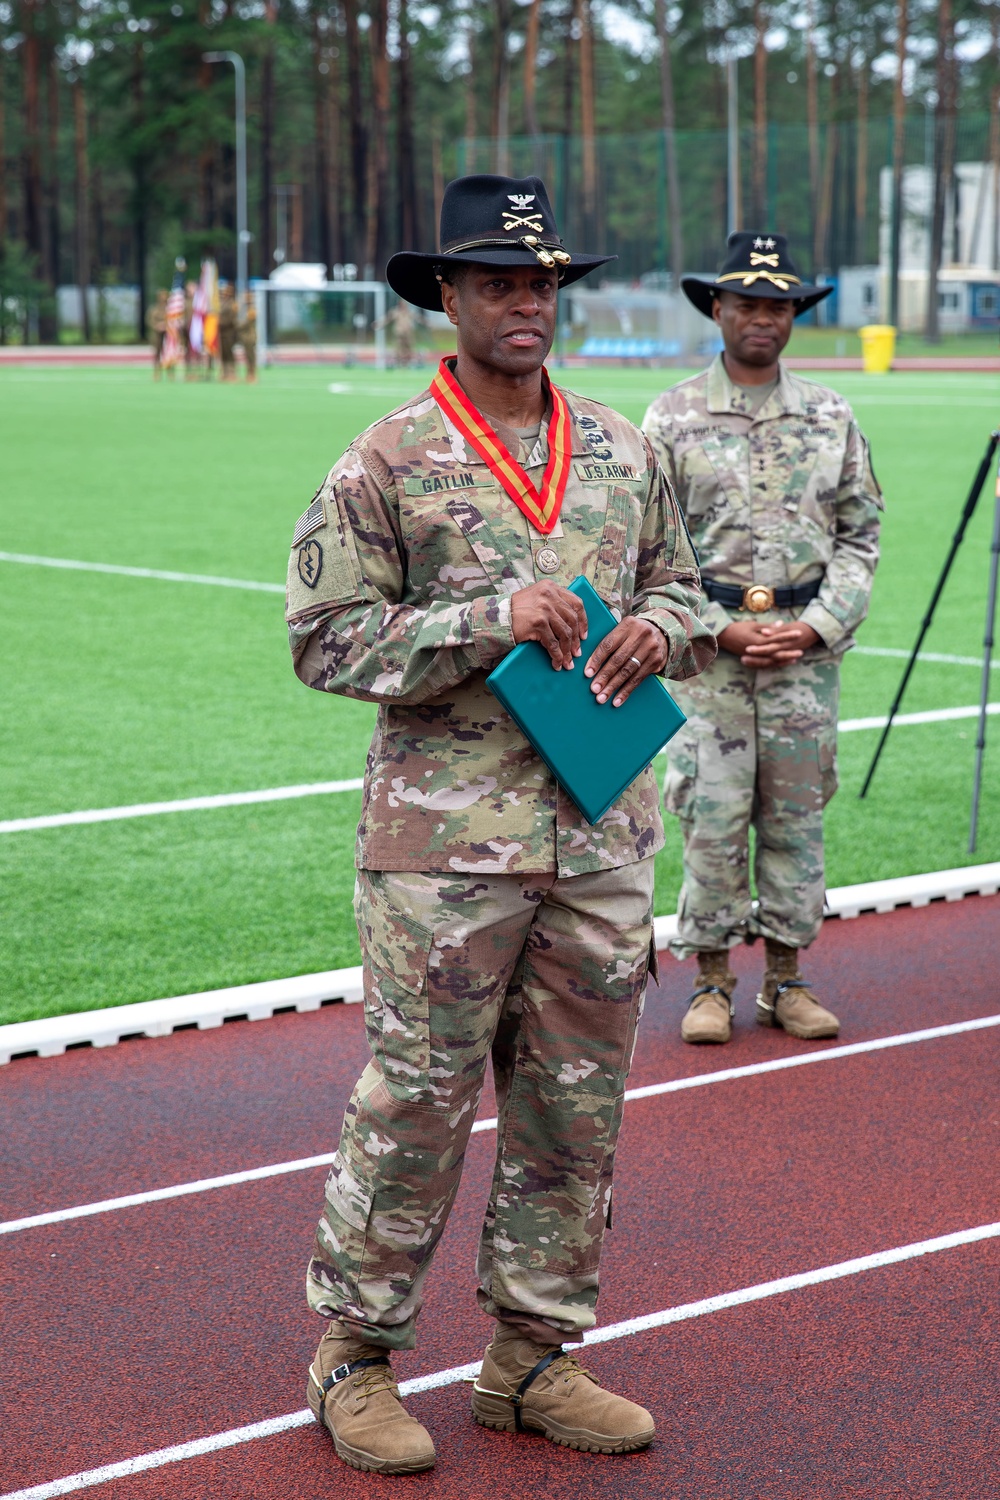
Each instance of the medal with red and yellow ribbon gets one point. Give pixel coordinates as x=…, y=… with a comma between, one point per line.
x=541, y=507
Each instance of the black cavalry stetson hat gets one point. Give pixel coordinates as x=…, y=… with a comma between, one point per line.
x=486, y=220
x=756, y=265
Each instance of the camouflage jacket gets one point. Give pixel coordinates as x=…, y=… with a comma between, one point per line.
x=780, y=498
x=399, y=592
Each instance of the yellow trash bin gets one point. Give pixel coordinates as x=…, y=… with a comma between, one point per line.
x=878, y=345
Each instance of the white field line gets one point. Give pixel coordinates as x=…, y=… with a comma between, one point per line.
x=165, y=575
x=925, y=716
x=355, y=783
x=901, y=655
x=88, y=1478
x=648, y=1091
x=168, y=576
x=181, y=804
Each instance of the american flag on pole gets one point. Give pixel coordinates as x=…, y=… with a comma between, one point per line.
x=173, y=343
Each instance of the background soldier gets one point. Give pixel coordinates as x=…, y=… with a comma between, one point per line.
x=228, y=325
x=400, y=321
x=492, y=917
x=156, y=328
x=247, y=332
x=782, y=505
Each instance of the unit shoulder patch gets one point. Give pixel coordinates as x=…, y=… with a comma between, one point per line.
x=310, y=564
x=310, y=520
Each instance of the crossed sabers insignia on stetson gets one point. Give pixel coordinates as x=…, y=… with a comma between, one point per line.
x=764, y=260
x=525, y=216
x=529, y=221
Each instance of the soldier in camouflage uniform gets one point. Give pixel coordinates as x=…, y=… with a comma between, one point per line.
x=495, y=922
x=776, y=484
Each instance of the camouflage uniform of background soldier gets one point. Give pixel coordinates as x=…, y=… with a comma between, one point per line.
x=494, y=920
x=229, y=318
x=776, y=484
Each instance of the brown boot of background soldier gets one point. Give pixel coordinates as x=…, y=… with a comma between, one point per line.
x=785, y=999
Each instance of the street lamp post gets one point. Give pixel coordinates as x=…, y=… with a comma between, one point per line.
x=733, y=143
x=242, y=233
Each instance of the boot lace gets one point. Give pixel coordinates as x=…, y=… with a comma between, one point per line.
x=377, y=1378
x=569, y=1367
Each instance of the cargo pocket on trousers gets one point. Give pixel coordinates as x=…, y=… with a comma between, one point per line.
x=682, y=771
x=829, y=780
x=395, y=949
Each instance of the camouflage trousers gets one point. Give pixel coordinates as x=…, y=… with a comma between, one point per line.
x=547, y=977
x=759, y=750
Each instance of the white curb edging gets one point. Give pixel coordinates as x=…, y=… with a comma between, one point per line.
x=256, y=1002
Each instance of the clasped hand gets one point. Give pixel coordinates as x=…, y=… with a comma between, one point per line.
x=759, y=645
x=549, y=614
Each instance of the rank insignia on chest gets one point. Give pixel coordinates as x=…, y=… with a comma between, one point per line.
x=310, y=563
x=437, y=484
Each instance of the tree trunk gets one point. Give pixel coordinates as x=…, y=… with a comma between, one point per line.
x=944, y=135
x=140, y=225
x=861, y=168
x=670, y=144
x=267, y=140
x=812, y=106
x=587, y=122
x=471, y=101
x=409, y=209
x=824, y=208
x=378, y=167
x=321, y=136
x=34, y=213
x=898, y=156
x=359, y=135
x=334, y=154
x=82, y=257
x=759, y=192
x=3, y=158
x=437, y=171
x=52, y=175
x=500, y=104
x=531, y=68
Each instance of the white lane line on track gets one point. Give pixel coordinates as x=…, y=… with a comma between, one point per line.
x=353, y=784
x=165, y=575
x=628, y=1329
x=183, y=804
x=648, y=1091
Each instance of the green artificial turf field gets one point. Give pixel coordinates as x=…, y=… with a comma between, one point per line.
x=124, y=690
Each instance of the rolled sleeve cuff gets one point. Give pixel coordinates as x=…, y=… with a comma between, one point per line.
x=712, y=614
x=491, y=629
x=826, y=625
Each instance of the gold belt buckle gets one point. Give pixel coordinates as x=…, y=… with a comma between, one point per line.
x=758, y=598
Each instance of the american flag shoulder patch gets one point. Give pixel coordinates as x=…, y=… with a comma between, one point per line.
x=309, y=521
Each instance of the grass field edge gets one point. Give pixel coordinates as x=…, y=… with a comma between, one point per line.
x=52, y=1035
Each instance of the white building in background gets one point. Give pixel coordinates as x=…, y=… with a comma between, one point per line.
x=969, y=282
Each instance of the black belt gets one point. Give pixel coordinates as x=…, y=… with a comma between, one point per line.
x=757, y=597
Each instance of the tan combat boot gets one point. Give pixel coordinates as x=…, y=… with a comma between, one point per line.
x=787, y=1001
x=710, y=1009
x=529, y=1387
x=352, y=1393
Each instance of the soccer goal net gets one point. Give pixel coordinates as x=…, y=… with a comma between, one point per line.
x=302, y=316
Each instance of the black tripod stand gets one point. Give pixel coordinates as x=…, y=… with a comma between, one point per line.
x=966, y=517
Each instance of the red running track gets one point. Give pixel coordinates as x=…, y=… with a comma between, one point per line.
x=133, y=1330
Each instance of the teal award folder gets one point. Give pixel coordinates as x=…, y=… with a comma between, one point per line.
x=593, y=750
